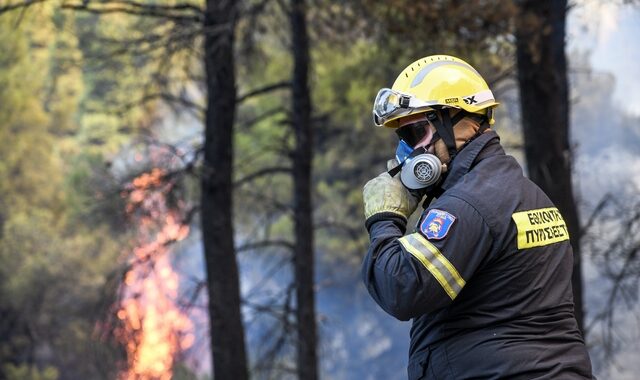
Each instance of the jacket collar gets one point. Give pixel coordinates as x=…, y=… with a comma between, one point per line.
x=486, y=145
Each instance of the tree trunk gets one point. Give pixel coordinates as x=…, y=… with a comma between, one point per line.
x=542, y=74
x=302, y=158
x=227, y=333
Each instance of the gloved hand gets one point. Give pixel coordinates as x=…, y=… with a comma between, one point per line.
x=386, y=194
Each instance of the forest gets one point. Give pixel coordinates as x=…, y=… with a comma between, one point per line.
x=181, y=180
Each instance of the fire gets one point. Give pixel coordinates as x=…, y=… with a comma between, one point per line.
x=153, y=328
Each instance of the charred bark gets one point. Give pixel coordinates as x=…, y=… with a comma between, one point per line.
x=302, y=159
x=542, y=75
x=227, y=332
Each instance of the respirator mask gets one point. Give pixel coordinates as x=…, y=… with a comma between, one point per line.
x=419, y=169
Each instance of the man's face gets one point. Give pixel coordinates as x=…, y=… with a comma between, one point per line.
x=429, y=128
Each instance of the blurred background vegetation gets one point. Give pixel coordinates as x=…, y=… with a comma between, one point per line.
x=112, y=157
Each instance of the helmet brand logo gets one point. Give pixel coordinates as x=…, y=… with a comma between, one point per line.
x=451, y=100
x=470, y=100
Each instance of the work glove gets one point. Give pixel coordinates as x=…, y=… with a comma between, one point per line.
x=386, y=196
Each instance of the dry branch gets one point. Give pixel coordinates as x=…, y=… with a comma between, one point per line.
x=21, y=5
x=179, y=12
x=262, y=173
x=263, y=90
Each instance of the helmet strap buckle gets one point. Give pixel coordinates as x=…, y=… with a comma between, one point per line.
x=405, y=101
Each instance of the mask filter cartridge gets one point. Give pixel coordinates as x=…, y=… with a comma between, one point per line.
x=421, y=171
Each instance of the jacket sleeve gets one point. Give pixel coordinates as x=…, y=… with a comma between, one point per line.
x=419, y=273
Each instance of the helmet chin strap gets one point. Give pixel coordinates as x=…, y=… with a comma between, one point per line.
x=444, y=128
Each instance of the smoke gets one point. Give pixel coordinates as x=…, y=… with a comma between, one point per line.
x=607, y=30
x=357, y=339
x=605, y=129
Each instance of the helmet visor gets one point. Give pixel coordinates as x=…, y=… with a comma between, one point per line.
x=390, y=104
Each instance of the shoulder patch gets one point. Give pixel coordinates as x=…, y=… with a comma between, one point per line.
x=436, y=224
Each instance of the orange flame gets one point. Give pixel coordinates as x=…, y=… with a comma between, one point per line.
x=154, y=330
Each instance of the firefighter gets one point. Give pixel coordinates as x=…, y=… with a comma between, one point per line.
x=485, y=274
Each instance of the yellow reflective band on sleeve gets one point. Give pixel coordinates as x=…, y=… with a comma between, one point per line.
x=435, y=262
x=540, y=227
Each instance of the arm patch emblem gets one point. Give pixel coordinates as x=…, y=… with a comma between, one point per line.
x=436, y=224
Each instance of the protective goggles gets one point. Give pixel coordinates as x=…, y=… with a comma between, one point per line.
x=391, y=104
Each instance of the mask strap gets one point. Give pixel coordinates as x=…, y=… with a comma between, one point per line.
x=459, y=116
x=445, y=129
x=393, y=172
x=396, y=170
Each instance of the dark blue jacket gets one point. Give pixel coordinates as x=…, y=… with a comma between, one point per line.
x=485, y=277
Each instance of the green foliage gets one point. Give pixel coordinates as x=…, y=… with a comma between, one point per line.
x=25, y=145
x=56, y=278
x=20, y=372
x=118, y=65
x=350, y=150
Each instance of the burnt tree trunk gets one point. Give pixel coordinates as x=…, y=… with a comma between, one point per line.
x=302, y=158
x=227, y=333
x=542, y=74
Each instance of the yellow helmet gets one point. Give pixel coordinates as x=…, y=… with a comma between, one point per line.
x=434, y=82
